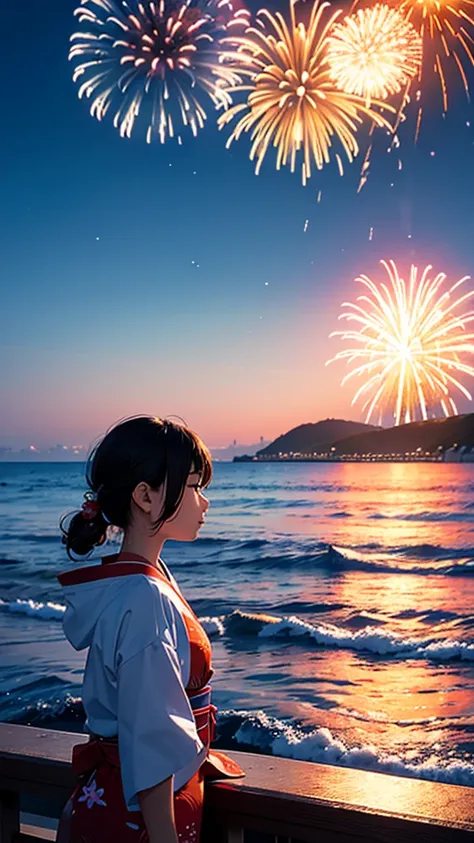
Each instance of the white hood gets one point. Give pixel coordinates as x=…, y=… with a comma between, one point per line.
x=85, y=605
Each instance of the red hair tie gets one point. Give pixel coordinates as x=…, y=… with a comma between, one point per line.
x=90, y=510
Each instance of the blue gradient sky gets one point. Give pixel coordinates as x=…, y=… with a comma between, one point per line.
x=104, y=314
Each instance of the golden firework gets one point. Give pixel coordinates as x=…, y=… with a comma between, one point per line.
x=374, y=52
x=293, y=104
x=410, y=343
x=447, y=30
x=161, y=59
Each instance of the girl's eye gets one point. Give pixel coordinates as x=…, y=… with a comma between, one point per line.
x=197, y=486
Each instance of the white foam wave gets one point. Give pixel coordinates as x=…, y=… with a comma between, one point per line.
x=407, y=562
x=55, y=612
x=42, y=611
x=381, y=642
x=281, y=739
x=213, y=626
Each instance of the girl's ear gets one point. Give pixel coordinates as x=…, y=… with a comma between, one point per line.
x=141, y=497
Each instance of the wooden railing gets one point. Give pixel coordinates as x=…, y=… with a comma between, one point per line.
x=278, y=801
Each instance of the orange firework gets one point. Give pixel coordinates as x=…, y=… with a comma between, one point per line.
x=293, y=104
x=409, y=342
x=374, y=52
x=449, y=26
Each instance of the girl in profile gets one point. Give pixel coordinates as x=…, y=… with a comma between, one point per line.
x=146, y=689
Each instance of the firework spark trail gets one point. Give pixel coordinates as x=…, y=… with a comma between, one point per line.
x=162, y=56
x=293, y=105
x=448, y=26
x=446, y=29
x=411, y=339
x=374, y=52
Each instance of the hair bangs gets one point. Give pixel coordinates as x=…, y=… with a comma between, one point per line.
x=202, y=460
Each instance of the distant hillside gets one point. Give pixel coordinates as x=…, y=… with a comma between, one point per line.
x=428, y=435
x=318, y=437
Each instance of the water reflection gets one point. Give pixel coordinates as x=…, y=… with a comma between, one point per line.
x=390, y=505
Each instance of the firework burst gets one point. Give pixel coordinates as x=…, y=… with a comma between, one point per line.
x=447, y=27
x=374, y=52
x=293, y=104
x=162, y=58
x=409, y=344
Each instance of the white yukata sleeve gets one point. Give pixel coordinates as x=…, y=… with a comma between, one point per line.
x=156, y=730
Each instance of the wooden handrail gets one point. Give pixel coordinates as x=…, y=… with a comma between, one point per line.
x=312, y=803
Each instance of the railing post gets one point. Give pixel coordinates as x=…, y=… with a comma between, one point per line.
x=9, y=816
x=234, y=835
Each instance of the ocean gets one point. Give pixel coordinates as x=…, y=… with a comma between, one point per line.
x=366, y=569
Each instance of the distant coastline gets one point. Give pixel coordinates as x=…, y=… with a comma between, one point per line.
x=351, y=458
x=336, y=440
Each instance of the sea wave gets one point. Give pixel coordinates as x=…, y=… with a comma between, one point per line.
x=303, y=555
x=40, y=538
x=370, y=639
x=333, y=488
x=289, y=486
x=257, y=730
x=263, y=503
x=425, y=515
x=213, y=626
x=276, y=737
x=283, y=553
x=34, y=609
x=404, y=560
x=47, y=702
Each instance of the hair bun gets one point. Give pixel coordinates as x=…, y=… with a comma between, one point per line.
x=84, y=531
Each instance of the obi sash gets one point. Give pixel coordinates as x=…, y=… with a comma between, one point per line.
x=89, y=756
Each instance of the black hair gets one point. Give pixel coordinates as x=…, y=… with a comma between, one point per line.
x=137, y=450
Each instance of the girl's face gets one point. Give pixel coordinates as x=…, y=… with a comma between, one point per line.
x=184, y=526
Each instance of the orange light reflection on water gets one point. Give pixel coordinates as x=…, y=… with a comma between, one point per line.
x=388, y=504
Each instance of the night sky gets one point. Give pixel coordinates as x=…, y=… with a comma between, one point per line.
x=171, y=279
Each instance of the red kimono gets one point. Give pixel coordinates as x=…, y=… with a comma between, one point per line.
x=96, y=812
